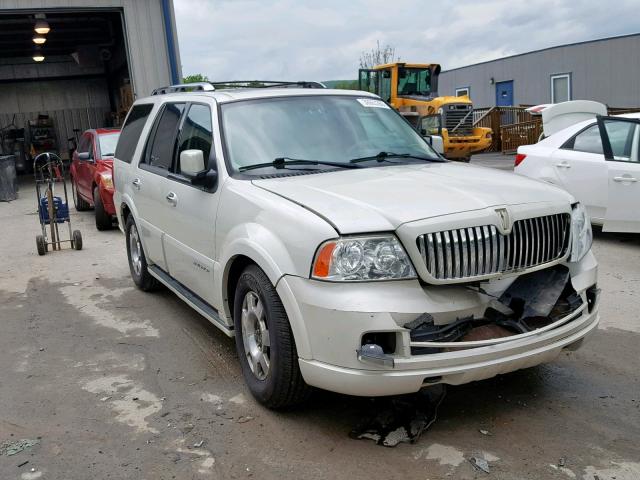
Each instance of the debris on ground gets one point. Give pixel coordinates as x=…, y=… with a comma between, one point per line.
x=198, y=444
x=480, y=464
x=244, y=419
x=23, y=463
x=562, y=461
x=11, y=448
x=400, y=419
x=485, y=432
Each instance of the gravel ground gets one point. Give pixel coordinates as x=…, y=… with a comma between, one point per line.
x=116, y=383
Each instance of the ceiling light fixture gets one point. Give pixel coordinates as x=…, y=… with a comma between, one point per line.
x=38, y=56
x=39, y=39
x=41, y=27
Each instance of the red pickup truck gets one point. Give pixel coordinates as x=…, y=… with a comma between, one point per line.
x=92, y=174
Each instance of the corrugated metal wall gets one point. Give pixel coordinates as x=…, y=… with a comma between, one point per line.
x=603, y=70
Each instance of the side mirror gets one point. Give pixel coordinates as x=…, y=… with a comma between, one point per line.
x=191, y=162
x=85, y=156
x=436, y=142
x=192, y=167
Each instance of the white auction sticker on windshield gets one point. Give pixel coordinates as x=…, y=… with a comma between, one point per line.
x=372, y=103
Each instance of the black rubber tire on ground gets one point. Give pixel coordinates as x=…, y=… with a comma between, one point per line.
x=144, y=281
x=76, y=238
x=283, y=385
x=103, y=219
x=41, y=244
x=80, y=204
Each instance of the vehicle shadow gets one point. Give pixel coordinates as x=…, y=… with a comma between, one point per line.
x=614, y=237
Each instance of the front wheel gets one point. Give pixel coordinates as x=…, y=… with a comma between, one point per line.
x=137, y=259
x=103, y=219
x=265, y=343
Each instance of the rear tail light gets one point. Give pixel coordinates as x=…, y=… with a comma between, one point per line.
x=519, y=159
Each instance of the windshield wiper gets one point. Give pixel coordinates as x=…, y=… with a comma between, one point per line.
x=382, y=156
x=282, y=162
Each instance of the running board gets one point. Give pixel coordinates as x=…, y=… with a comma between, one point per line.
x=193, y=300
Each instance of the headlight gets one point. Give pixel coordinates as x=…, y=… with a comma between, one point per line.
x=357, y=259
x=107, y=180
x=581, y=235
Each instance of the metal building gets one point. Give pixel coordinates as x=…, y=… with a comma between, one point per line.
x=80, y=64
x=605, y=70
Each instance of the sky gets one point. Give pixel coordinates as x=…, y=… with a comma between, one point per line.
x=323, y=40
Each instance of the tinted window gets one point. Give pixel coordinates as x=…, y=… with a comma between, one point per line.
x=621, y=138
x=164, y=140
x=588, y=140
x=131, y=132
x=197, y=131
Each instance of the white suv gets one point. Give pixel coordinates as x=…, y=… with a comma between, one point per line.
x=318, y=228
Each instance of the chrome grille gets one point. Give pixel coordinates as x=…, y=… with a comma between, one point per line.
x=453, y=115
x=483, y=251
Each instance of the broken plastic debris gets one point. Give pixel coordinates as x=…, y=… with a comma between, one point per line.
x=400, y=419
x=485, y=432
x=480, y=464
x=244, y=419
x=198, y=444
x=11, y=448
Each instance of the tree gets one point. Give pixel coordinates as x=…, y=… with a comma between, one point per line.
x=378, y=56
x=196, y=77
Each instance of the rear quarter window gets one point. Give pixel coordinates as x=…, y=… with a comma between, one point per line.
x=131, y=131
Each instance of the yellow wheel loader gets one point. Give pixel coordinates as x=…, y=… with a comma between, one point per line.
x=412, y=89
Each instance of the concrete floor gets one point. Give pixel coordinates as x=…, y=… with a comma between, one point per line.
x=116, y=383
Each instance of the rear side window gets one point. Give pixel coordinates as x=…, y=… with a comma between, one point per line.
x=161, y=151
x=131, y=131
x=587, y=141
x=197, y=131
x=83, y=145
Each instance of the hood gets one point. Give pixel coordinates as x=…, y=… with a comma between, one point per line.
x=383, y=198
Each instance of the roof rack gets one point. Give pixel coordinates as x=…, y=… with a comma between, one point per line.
x=267, y=84
x=184, y=87
x=211, y=86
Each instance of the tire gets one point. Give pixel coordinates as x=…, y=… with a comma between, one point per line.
x=103, y=219
x=137, y=259
x=281, y=384
x=76, y=237
x=41, y=245
x=80, y=204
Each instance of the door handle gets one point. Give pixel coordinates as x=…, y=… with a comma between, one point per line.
x=136, y=183
x=625, y=179
x=172, y=198
x=563, y=165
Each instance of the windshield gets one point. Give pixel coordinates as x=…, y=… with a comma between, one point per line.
x=108, y=144
x=414, y=81
x=323, y=128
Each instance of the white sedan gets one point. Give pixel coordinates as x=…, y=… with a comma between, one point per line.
x=597, y=161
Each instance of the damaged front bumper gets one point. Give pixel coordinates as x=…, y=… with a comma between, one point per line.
x=358, y=340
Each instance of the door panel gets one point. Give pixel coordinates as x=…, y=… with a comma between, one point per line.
x=83, y=181
x=504, y=94
x=620, y=142
x=150, y=183
x=189, y=240
x=584, y=175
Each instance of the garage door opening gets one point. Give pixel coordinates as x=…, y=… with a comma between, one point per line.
x=61, y=73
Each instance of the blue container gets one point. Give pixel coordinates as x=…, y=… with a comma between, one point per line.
x=60, y=208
